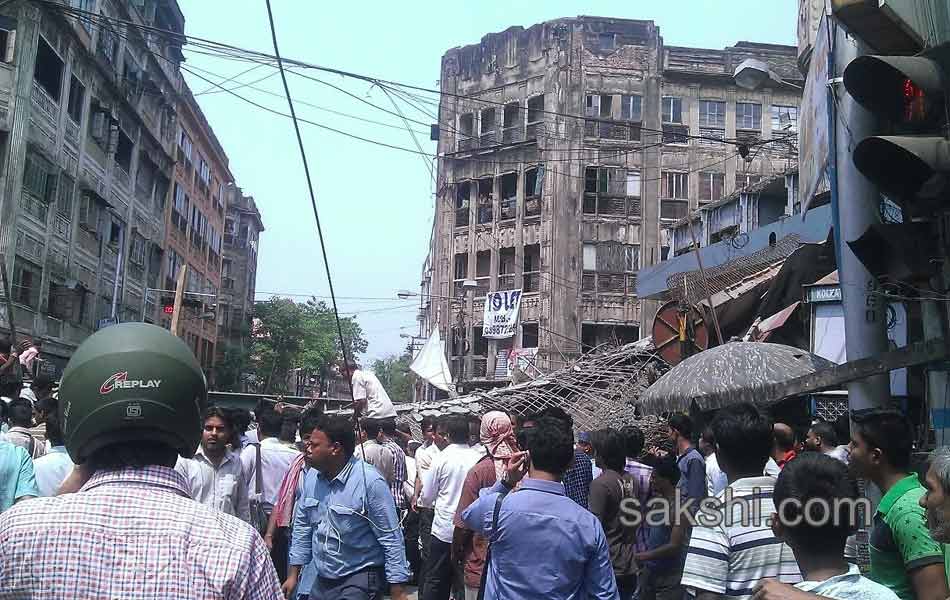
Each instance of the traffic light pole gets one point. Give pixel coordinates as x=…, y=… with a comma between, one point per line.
x=856, y=203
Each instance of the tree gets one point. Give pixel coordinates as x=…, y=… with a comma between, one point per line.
x=299, y=335
x=234, y=362
x=393, y=372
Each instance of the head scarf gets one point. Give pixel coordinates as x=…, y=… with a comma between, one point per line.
x=498, y=437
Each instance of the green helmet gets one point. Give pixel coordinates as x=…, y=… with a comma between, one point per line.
x=132, y=382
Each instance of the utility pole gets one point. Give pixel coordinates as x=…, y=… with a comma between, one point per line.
x=179, y=293
x=118, y=273
x=855, y=205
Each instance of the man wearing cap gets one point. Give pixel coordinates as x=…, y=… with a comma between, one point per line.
x=132, y=399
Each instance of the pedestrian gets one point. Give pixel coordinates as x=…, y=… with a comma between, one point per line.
x=17, y=479
x=580, y=474
x=215, y=473
x=44, y=404
x=370, y=398
x=442, y=485
x=497, y=438
x=727, y=554
x=410, y=521
x=816, y=512
x=29, y=352
x=10, y=370
x=345, y=521
x=692, y=464
x=662, y=561
x=642, y=474
x=433, y=431
x=387, y=438
x=715, y=479
x=272, y=458
x=142, y=534
x=282, y=517
x=784, y=444
x=20, y=413
x=610, y=493
x=823, y=438
x=542, y=544
x=936, y=500
x=52, y=468
x=904, y=557
x=373, y=452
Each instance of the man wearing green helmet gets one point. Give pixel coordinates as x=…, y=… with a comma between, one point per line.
x=131, y=402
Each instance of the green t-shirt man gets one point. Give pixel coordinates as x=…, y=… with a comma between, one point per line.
x=899, y=539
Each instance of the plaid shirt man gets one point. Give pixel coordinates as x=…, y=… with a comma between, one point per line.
x=399, y=473
x=578, y=477
x=131, y=533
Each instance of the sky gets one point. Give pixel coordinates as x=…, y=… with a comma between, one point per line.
x=376, y=204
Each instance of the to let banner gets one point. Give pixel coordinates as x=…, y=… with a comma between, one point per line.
x=501, y=314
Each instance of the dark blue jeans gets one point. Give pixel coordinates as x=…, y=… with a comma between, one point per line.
x=368, y=584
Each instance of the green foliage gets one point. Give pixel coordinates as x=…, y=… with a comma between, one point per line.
x=299, y=335
x=393, y=372
x=234, y=361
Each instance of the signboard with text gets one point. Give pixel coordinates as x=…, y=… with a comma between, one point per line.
x=501, y=314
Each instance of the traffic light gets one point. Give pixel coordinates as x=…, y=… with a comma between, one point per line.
x=908, y=94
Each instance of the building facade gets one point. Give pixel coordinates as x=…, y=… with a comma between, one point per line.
x=87, y=131
x=565, y=150
x=242, y=230
x=194, y=222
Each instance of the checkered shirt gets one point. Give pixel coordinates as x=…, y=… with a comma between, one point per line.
x=399, y=473
x=131, y=533
x=577, y=479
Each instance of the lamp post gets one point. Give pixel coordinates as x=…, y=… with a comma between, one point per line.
x=752, y=73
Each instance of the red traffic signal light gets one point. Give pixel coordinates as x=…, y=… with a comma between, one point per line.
x=908, y=91
x=168, y=309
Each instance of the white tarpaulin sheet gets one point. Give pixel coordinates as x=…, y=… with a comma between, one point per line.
x=430, y=363
x=501, y=314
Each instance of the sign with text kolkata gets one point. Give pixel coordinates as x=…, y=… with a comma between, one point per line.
x=501, y=314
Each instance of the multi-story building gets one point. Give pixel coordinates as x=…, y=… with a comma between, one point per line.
x=87, y=128
x=565, y=150
x=195, y=226
x=242, y=230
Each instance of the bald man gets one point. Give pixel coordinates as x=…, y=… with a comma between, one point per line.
x=784, y=444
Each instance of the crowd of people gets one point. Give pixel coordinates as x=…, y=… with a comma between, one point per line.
x=139, y=490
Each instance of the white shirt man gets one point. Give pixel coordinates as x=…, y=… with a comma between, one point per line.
x=51, y=470
x=424, y=458
x=221, y=488
x=367, y=387
x=442, y=486
x=276, y=458
x=716, y=480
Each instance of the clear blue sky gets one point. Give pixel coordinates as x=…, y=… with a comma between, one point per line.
x=376, y=204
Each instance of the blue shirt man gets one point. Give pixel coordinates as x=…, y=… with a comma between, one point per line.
x=544, y=544
x=17, y=480
x=346, y=524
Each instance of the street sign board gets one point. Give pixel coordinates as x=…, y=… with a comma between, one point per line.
x=103, y=323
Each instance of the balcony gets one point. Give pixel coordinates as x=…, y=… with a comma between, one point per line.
x=512, y=135
x=619, y=131
x=532, y=206
x=32, y=206
x=466, y=144
x=72, y=131
x=531, y=282
x=489, y=138
x=483, y=285
x=63, y=227
x=674, y=209
x=533, y=131
x=506, y=282
x=122, y=177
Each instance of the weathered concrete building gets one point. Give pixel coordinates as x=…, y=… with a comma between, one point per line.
x=87, y=128
x=565, y=150
x=242, y=230
x=195, y=225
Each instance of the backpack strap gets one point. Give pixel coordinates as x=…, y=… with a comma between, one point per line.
x=494, y=528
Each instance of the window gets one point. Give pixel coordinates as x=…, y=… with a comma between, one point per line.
x=529, y=335
x=7, y=39
x=77, y=95
x=137, y=249
x=633, y=183
x=711, y=137
x=599, y=106
x=467, y=125
x=611, y=257
x=204, y=172
x=748, y=116
x=531, y=269
x=89, y=213
x=672, y=109
x=38, y=177
x=64, y=197
x=108, y=44
x=604, y=191
x=536, y=109
x=48, y=70
x=631, y=108
x=461, y=266
x=180, y=209
x=608, y=41
x=784, y=118
x=674, y=185
x=26, y=282
x=184, y=147
x=123, y=153
x=485, y=208
x=710, y=186
x=712, y=113
x=744, y=180
x=533, y=182
x=509, y=196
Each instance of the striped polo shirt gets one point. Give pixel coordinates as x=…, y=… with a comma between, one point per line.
x=732, y=555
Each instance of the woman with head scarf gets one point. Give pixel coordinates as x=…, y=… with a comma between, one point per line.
x=468, y=549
